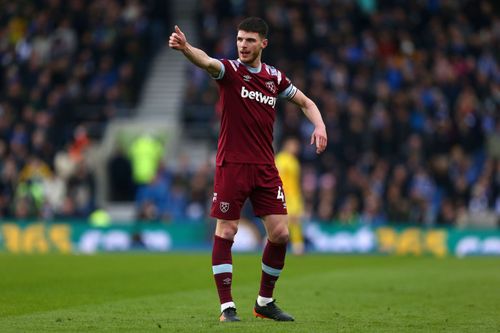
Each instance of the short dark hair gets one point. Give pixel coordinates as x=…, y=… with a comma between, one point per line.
x=254, y=24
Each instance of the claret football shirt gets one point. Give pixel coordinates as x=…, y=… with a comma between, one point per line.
x=247, y=101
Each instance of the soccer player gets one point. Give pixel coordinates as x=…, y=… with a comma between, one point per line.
x=289, y=169
x=245, y=168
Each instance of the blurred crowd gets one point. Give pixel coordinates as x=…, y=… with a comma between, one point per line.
x=409, y=91
x=410, y=94
x=66, y=68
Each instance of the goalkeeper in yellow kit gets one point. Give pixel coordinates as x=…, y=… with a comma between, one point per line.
x=289, y=169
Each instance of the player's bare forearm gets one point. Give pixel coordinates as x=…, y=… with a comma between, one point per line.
x=319, y=135
x=312, y=113
x=201, y=59
x=178, y=41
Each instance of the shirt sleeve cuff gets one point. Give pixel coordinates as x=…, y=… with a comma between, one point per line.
x=289, y=92
x=221, y=73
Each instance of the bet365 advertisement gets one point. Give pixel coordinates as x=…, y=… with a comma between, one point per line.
x=41, y=237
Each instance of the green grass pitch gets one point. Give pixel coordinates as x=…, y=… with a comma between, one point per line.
x=175, y=293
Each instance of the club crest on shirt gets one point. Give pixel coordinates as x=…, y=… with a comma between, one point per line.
x=224, y=206
x=271, y=86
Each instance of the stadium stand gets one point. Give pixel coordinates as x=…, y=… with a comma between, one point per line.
x=66, y=69
x=409, y=91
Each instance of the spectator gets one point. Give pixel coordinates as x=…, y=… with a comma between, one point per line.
x=81, y=189
x=145, y=154
x=121, y=186
x=409, y=93
x=50, y=53
x=153, y=198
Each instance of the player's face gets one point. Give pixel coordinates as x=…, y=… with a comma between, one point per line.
x=250, y=45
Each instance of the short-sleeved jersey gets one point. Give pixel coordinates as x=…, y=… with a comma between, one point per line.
x=247, y=102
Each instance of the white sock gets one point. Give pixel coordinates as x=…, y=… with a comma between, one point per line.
x=263, y=301
x=226, y=305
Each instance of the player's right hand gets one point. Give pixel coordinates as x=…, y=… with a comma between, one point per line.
x=319, y=137
x=177, y=39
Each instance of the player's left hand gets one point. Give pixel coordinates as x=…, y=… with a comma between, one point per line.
x=319, y=137
x=177, y=39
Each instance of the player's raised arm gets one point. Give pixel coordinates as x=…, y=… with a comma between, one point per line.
x=178, y=41
x=312, y=113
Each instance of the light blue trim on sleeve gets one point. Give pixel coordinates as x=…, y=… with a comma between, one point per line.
x=223, y=268
x=289, y=92
x=222, y=71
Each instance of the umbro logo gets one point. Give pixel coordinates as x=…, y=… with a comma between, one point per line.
x=227, y=280
x=247, y=78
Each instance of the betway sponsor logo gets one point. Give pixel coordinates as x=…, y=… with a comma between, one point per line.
x=258, y=96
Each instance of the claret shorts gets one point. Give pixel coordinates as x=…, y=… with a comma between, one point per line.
x=235, y=182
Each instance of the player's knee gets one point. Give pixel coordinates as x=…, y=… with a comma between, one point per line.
x=226, y=229
x=228, y=233
x=280, y=235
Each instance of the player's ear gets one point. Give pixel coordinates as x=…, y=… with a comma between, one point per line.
x=264, y=43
